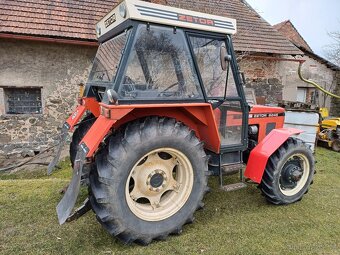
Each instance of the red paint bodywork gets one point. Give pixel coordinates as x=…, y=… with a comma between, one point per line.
x=197, y=116
x=88, y=103
x=262, y=122
x=96, y=134
x=200, y=117
x=260, y=154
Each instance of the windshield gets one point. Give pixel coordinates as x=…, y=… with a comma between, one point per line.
x=160, y=67
x=106, y=62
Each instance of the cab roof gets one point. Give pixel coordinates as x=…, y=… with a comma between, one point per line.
x=166, y=15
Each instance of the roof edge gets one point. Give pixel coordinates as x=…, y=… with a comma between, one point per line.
x=320, y=59
x=296, y=30
x=48, y=39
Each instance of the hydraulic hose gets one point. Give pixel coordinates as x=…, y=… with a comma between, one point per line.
x=315, y=84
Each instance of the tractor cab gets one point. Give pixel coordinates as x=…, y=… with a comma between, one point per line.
x=152, y=55
x=163, y=109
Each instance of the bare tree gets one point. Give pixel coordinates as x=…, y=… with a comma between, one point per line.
x=333, y=50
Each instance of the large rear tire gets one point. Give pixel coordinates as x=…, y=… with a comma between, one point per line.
x=149, y=180
x=77, y=136
x=289, y=173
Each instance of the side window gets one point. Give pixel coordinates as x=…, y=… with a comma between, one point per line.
x=230, y=116
x=160, y=67
x=107, y=59
x=207, y=53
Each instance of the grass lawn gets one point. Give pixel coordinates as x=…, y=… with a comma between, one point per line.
x=238, y=222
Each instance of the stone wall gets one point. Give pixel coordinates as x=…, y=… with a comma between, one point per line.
x=57, y=69
x=335, y=103
x=264, y=77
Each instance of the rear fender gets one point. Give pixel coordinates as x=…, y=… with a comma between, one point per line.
x=199, y=117
x=260, y=154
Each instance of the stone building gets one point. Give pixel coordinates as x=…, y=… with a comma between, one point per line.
x=315, y=68
x=46, y=49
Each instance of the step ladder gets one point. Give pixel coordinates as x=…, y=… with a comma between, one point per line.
x=232, y=169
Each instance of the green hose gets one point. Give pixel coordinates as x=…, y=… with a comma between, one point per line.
x=315, y=84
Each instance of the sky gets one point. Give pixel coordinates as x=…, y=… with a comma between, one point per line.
x=312, y=18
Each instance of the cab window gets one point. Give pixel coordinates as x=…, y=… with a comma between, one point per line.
x=160, y=67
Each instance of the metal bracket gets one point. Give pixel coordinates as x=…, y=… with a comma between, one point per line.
x=66, y=204
x=80, y=211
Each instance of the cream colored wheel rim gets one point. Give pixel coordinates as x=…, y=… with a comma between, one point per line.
x=304, y=164
x=159, y=184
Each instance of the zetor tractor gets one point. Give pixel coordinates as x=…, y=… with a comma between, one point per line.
x=163, y=109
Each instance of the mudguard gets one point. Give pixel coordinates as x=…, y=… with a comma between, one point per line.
x=260, y=154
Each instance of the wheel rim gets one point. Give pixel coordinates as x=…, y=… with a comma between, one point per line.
x=294, y=174
x=159, y=184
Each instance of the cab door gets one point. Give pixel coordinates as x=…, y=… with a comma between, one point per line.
x=223, y=89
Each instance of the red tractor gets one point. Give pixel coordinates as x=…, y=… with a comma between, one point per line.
x=163, y=109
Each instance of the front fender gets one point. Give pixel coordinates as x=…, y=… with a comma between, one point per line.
x=260, y=154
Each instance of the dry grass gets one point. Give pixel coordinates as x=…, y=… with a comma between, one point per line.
x=239, y=222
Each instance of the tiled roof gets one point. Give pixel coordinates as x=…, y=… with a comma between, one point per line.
x=288, y=30
x=72, y=19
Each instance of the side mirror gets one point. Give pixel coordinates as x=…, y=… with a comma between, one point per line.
x=224, y=58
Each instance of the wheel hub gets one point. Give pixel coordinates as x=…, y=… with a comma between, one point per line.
x=156, y=179
x=291, y=175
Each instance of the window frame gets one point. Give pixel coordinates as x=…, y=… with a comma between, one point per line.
x=238, y=83
x=125, y=59
x=119, y=63
x=208, y=36
x=6, y=106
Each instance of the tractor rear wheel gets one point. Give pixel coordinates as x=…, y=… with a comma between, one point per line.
x=149, y=180
x=78, y=135
x=289, y=173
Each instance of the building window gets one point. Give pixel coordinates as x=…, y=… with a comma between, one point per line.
x=23, y=100
x=306, y=95
x=301, y=95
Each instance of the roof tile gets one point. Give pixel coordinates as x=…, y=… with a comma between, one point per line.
x=75, y=19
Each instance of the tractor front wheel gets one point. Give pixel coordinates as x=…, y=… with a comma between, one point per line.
x=289, y=173
x=149, y=180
